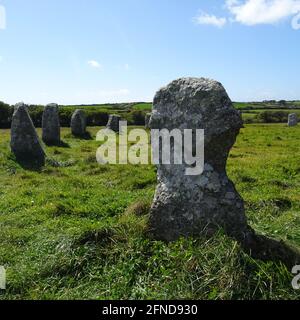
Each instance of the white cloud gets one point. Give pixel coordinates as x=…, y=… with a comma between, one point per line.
x=207, y=19
x=253, y=12
x=126, y=66
x=94, y=64
x=1, y=59
x=2, y=18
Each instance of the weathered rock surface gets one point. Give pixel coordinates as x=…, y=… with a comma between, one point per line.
x=293, y=120
x=78, y=123
x=190, y=205
x=113, y=122
x=25, y=143
x=51, y=125
x=147, y=120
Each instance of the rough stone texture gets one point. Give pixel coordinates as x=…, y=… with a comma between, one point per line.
x=293, y=120
x=25, y=143
x=113, y=122
x=189, y=205
x=78, y=123
x=147, y=120
x=51, y=125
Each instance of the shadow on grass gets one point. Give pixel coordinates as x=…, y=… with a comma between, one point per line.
x=86, y=136
x=60, y=144
x=30, y=165
x=267, y=249
x=255, y=245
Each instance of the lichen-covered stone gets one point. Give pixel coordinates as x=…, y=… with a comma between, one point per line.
x=51, y=125
x=78, y=123
x=147, y=119
x=189, y=205
x=113, y=122
x=25, y=143
x=293, y=120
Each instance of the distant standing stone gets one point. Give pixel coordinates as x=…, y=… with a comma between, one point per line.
x=293, y=120
x=78, y=123
x=113, y=122
x=25, y=143
x=190, y=205
x=51, y=125
x=147, y=119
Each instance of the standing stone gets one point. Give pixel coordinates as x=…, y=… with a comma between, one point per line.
x=293, y=120
x=25, y=143
x=190, y=205
x=147, y=119
x=113, y=122
x=51, y=125
x=78, y=123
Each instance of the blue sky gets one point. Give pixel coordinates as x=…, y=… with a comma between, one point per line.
x=97, y=51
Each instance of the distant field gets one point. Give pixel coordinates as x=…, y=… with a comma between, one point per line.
x=78, y=230
x=273, y=110
x=117, y=107
x=295, y=105
x=134, y=113
x=142, y=106
x=267, y=106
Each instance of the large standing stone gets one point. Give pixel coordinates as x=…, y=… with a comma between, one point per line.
x=78, y=123
x=147, y=120
x=188, y=205
x=113, y=122
x=25, y=143
x=51, y=125
x=293, y=120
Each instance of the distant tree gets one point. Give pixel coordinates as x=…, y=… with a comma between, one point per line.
x=97, y=118
x=282, y=102
x=273, y=116
x=6, y=112
x=269, y=101
x=138, y=117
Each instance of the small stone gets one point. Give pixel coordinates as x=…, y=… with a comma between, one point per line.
x=293, y=120
x=78, y=123
x=113, y=122
x=25, y=143
x=51, y=125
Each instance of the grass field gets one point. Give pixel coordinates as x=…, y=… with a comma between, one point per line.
x=78, y=230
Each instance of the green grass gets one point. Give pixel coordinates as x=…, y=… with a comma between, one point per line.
x=143, y=107
x=256, y=111
x=79, y=230
x=266, y=105
x=117, y=107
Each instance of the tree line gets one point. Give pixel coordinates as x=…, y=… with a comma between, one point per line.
x=95, y=117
